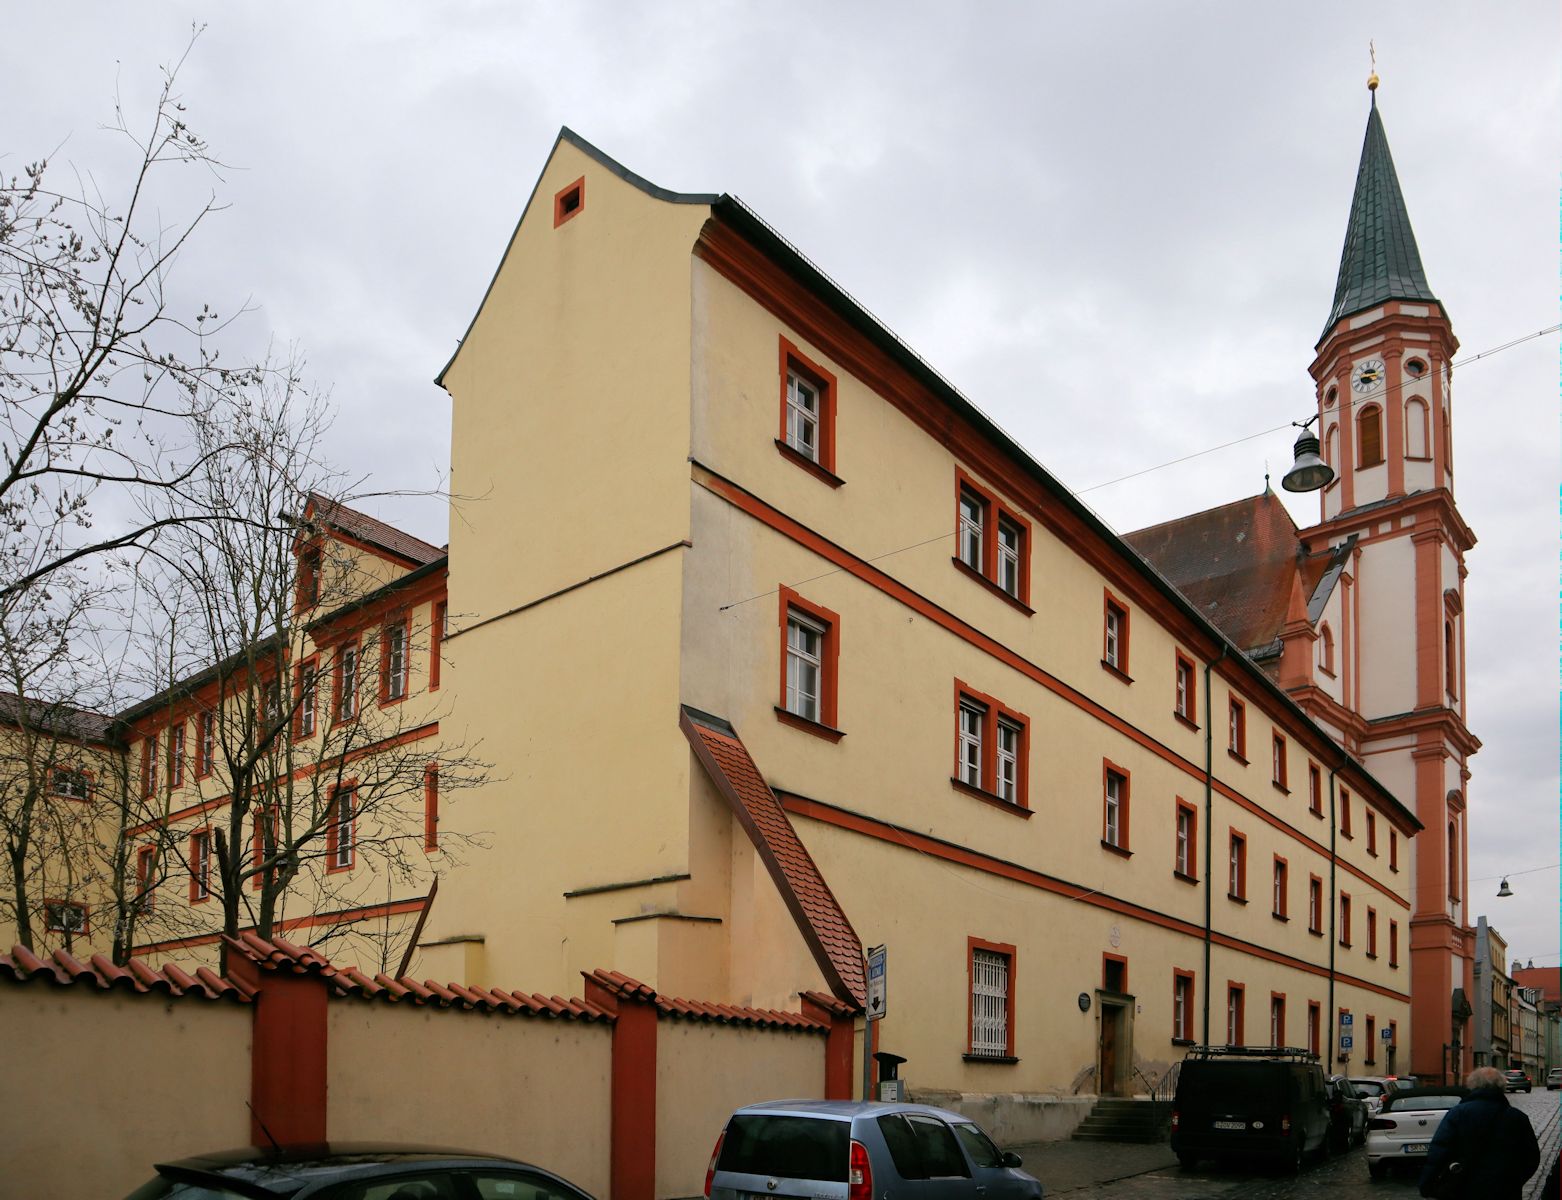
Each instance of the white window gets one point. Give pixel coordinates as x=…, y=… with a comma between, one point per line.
x=63, y=916
x=1184, y=842
x=339, y=850
x=1233, y=1016
x=1238, y=880
x=176, y=755
x=1277, y=1022
x=804, y=665
x=395, y=662
x=1114, y=630
x=1114, y=808
x=972, y=512
x=972, y=717
x=272, y=702
x=989, y=1003
x=72, y=784
x=346, y=683
x=1185, y=689
x=200, y=865
x=802, y=416
x=1009, y=761
x=1009, y=557
x=308, y=685
x=1182, y=1008
x=149, y=764
x=1279, y=897
x=208, y=748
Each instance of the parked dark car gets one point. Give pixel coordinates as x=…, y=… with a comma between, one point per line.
x=1348, y=1114
x=854, y=1150
x=353, y=1171
x=1516, y=1081
x=1250, y=1102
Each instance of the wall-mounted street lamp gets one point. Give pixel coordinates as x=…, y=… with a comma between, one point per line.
x=1309, y=472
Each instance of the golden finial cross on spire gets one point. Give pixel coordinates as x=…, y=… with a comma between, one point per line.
x=1372, y=79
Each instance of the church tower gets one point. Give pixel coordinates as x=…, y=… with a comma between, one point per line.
x=1383, y=376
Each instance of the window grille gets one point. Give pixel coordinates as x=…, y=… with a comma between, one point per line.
x=989, y=1003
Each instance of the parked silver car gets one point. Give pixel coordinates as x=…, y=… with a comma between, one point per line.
x=851, y=1150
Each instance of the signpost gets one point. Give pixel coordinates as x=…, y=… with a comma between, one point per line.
x=878, y=1000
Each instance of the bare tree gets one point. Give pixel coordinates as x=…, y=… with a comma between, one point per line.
x=101, y=373
x=281, y=680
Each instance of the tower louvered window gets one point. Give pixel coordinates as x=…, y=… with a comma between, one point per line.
x=989, y=1003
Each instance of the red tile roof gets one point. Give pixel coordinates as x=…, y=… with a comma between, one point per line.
x=1237, y=564
x=371, y=530
x=823, y=924
x=21, y=965
x=1548, y=979
x=278, y=954
x=623, y=986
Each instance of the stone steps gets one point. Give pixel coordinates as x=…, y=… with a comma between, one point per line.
x=1118, y=1120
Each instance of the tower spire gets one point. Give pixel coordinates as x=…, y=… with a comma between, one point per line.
x=1380, y=260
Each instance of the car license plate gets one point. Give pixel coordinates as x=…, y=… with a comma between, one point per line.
x=1230, y=1124
x=1415, y=1147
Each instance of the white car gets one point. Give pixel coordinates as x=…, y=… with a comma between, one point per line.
x=1405, y=1122
x=1554, y=1079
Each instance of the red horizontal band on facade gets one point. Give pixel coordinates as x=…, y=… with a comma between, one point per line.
x=922, y=843
x=406, y=737
x=349, y=916
x=888, y=585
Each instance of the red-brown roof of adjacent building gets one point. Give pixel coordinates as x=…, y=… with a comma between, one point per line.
x=820, y=918
x=372, y=530
x=1547, y=979
x=1237, y=564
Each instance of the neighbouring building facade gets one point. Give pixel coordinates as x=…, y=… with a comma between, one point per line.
x=1492, y=998
x=780, y=649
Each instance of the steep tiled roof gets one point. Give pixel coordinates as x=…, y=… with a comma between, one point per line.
x=372, y=530
x=1380, y=260
x=62, y=970
x=1237, y=564
x=835, y=945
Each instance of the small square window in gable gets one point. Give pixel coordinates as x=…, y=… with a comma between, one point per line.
x=569, y=202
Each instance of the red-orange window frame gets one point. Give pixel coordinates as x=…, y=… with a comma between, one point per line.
x=436, y=644
x=1372, y=1039
x=563, y=209
x=1345, y=814
x=312, y=708
x=1236, y=729
x=1239, y=990
x=1315, y=911
x=1282, y=771
x=1236, y=848
x=1372, y=932
x=794, y=361
x=1393, y=850
x=88, y=779
x=1314, y=789
x=1345, y=919
x=403, y=623
x=1120, y=960
x=56, y=902
x=1372, y=832
x=176, y=754
x=431, y=808
x=973, y=944
x=1393, y=943
x=1185, y=1033
x=1189, y=710
x=200, y=865
x=1192, y=875
x=994, y=513
x=1111, y=605
x=1277, y=1028
x=146, y=883
x=1315, y=1026
x=349, y=788
x=829, y=663
x=339, y=680
x=1124, y=844
x=993, y=712
x=1282, y=893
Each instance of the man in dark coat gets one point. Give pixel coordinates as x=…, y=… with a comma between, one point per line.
x=1492, y=1141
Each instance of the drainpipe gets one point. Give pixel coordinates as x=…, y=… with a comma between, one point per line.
x=1209, y=824
x=1334, y=915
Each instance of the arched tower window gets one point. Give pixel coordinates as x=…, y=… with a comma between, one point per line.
x=1453, y=861
x=1450, y=659
x=1326, y=648
x=1448, y=445
x=1416, y=443
x=1369, y=436
x=1331, y=446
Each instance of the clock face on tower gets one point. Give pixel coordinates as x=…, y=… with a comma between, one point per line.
x=1368, y=375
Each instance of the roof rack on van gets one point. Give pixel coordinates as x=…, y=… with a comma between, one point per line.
x=1300, y=1053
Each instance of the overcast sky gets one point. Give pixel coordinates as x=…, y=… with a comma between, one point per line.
x=1115, y=227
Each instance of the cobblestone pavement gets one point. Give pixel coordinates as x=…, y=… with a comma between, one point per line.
x=1096, y=1170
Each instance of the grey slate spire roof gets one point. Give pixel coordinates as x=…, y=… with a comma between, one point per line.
x=1380, y=260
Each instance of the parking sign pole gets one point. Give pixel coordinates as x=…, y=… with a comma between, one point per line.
x=877, y=977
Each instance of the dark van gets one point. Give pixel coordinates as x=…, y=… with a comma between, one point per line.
x=1251, y=1102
